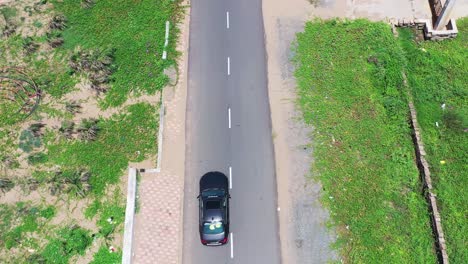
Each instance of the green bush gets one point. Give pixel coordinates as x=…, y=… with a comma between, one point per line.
x=454, y=121
x=8, y=12
x=114, y=212
x=103, y=256
x=36, y=158
x=92, y=209
x=18, y=219
x=68, y=243
x=27, y=141
x=48, y=213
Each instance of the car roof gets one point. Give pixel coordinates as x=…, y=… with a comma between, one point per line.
x=213, y=180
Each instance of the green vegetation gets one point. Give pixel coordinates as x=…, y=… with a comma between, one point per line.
x=103, y=256
x=437, y=76
x=28, y=141
x=69, y=241
x=20, y=220
x=79, y=55
x=135, y=31
x=351, y=91
x=8, y=12
x=111, y=215
x=121, y=138
x=36, y=158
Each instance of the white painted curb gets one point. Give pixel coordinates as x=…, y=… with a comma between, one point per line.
x=160, y=138
x=166, y=41
x=129, y=217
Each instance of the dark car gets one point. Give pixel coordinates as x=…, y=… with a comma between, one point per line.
x=214, y=209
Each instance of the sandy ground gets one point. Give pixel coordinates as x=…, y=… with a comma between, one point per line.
x=460, y=9
x=4, y=2
x=304, y=237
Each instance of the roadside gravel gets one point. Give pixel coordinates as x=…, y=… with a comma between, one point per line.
x=303, y=232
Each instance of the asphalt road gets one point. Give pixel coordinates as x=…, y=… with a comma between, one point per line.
x=227, y=73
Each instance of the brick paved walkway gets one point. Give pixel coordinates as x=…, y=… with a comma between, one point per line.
x=157, y=227
x=159, y=222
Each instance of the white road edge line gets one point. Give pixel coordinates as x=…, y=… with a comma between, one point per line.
x=232, y=245
x=227, y=19
x=229, y=66
x=229, y=117
x=129, y=216
x=230, y=177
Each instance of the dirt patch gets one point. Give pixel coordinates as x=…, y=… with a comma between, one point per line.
x=381, y=9
x=89, y=102
x=304, y=237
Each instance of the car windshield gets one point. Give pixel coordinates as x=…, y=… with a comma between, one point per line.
x=213, y=228
x=213, y=192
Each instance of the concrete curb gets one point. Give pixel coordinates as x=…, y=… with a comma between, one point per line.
x=160, y=139
x=129, y=217
x=166, y=41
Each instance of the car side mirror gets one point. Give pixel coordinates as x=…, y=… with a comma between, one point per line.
x=198, y=197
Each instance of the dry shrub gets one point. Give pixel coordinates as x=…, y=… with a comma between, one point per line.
x=97, y=64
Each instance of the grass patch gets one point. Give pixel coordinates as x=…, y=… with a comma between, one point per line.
x=121, y=138
x=103, y=256
x=438, y=80
x=69, y=242
x=135, y=30
x=20, y=220
x=350, y=89
x=8, y=12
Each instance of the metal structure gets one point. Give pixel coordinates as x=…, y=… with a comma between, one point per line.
x=443, y=17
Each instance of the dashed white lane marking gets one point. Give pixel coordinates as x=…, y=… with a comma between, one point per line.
x=232, y=245
x=227, y=19
x=229, y=117
x=230, y=177
x=229, y=65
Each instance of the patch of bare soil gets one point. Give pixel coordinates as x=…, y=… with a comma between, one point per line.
x=5, y=2
x=380, y=9
x=88, y=101
x=460, y=10
x=303, y=232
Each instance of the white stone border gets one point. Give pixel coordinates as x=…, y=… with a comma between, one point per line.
x=166, y=41
x=129, y=217
x=427, y=27
x=160, y=139
x=160, y=143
